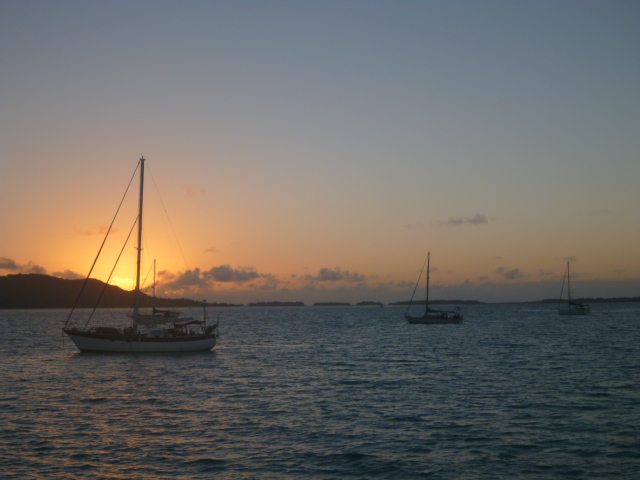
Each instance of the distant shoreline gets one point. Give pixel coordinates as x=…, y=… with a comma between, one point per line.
x=41, y=292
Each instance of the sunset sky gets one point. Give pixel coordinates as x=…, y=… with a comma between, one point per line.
x=317, y=150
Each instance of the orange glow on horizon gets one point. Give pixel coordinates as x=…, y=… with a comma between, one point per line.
x=124, y=283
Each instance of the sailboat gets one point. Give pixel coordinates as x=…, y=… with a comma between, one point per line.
x=145, y=332
x=571, y=308
x=432, y=317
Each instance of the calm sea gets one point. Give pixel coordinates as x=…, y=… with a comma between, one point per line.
x=331, y=393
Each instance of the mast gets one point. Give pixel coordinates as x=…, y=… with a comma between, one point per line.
x=154, y=280
x=136, y=310
x=426, y=305
x=568, y=285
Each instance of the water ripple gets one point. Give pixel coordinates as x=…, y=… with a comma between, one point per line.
x=312, y=393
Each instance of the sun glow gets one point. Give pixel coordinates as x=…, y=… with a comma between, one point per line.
x=124, y=283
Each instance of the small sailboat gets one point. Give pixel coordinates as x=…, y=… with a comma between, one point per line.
x=571, y=308
x=432, y=317
x=155, y=331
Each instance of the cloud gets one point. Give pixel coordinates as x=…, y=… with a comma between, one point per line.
x=11, y=265
x=477, y=219
x=329, y=275
x=33, y=268
x=224, y=273
x=186, y=280
x=355, y=277
x=511, y=274
x=270, y=282
x=68, y=275
x=8, y=264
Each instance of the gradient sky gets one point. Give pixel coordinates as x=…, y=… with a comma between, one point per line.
x=316, y=150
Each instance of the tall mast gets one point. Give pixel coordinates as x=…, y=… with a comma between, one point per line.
x=568, y=283
x=154, y=279
x=136, y=310
x=426, y=306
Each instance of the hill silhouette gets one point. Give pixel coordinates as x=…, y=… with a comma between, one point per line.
x=27, y=291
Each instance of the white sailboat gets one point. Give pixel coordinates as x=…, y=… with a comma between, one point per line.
x=571, y=308
x=432, y=317
x=157, y=331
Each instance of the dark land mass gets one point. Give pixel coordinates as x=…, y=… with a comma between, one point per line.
x=277, y=304
x=593, y=300
x=345, y=304
x=33, y=291
x=36, y=291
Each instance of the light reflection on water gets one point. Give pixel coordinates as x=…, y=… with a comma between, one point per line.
x=514, y=392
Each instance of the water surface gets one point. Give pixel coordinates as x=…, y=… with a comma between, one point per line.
x=515, y=391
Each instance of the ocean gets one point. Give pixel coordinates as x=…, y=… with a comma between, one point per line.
x=515, y=391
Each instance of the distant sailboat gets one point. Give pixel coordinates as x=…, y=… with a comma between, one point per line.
x=157, y=331
x=571, y=308
x=432, y=317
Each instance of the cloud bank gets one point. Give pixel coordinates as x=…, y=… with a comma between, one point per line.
x=241, y=284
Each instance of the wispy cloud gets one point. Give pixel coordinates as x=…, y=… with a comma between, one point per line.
x=477, y=219
x=511, y=274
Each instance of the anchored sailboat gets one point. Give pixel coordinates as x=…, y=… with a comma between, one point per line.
x=157, y=331
x=432, y=317
x=571, y=308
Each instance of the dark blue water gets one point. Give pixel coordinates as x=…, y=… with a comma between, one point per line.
x=332, y=393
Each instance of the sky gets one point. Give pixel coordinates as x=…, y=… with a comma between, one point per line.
x=316, y=151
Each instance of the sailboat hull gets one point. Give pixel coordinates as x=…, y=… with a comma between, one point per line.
x=573, y=311
x=433, y=320
x=91, y=342
x=571, y=308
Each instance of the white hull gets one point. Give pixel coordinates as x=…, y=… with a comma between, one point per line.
x=143, y=335
x=198, y=343
x=435, y=320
